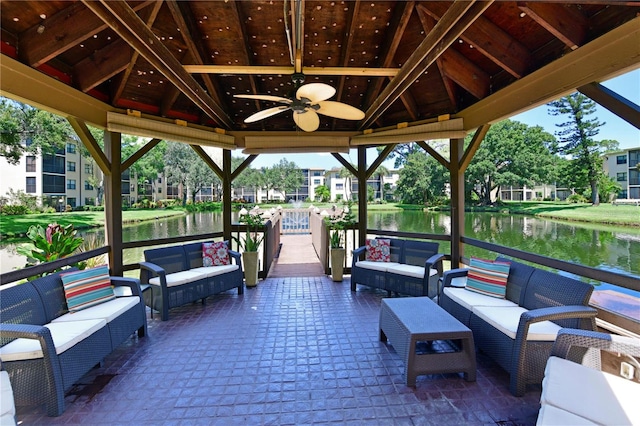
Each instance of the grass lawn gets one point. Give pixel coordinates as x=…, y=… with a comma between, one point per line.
x=16, y=226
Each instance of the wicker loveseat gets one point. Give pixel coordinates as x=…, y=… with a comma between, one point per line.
x=575, y=390
x=519, y=330
x=414, y=268
x=46, y=349
x=176, y=276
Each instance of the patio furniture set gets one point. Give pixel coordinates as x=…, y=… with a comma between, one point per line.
x=58, y=327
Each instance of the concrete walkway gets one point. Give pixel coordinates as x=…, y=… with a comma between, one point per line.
x=297, y=258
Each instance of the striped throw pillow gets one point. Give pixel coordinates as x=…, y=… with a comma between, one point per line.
x=488, y=277
x=87, y=288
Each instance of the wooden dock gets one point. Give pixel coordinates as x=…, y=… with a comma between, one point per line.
x=297, y=258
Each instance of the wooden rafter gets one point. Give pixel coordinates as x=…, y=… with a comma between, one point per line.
x=454, y=22
x=90, y=143
x=140, y=153
x=619, y=105
x=566, y=24
x=102, y=65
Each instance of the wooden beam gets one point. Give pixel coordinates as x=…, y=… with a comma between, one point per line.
x=610, y=55
x=457, y=18
x=489, y=39
x=456, y=147
x=102, y=65
x=25, y=84
x=362, y=195
x=119, y=83
x=619, y=105
x=90, y=143
x=345, y=163
x=435, y=154
x=124, y=21
x=139, y=153
x=276, y=70
x=380, y=159
x=207, y=159
x=63, y=31
x=565, y=23
x=477, y=139
x=243, y=166
x=465, y=73
x=113, y=202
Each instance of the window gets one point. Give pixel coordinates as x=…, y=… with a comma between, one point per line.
x=339, y=186
x=132, y=188
x=71, y=166
x=316, y=182
x=52, y=184
x=124, y=188
x=621, y=159
x=159, y=180
x=31, y=163
x=634, y=158
x=31, y=185
x=87, y=185
x=621, y=177
x=71, y=148
x=53, y=164
x=89, y=201
x=88, y=169
x=71, y=184
x=634, y=177
x=159, y=190
x=71, y=202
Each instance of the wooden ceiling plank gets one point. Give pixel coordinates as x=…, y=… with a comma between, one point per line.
x=453, y=23
x=614, y=53
x=617, y=104
x=102, y=65
x=567, y=25
x=490, y=40
x=122, y=19
x=347, y=43
x=63, y=31
x=397, y=27
x=118, y=85
x=465, y=73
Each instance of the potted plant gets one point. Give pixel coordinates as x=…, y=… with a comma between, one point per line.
x=336, y=224
x=250, y=245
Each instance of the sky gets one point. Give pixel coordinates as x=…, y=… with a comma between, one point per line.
x=627, y=85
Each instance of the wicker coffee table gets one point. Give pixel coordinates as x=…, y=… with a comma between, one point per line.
x=405, y=321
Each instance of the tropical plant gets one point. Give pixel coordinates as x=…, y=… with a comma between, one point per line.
x=53, y=243
x=252, y=238
x=337, y=222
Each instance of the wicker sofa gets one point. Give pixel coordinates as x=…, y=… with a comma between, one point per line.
x=176, y=276
x=575, y=390
x=46, y=349
x=413, y=269
x=519, y=330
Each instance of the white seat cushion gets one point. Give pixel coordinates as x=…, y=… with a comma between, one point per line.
x=7, y=406
x=550, y=415
x=597, y=396
x=470, y=299
x=178, y=278
x=64, y=334
x=460, y=282
x=211, y=271
x=376, y=266
x=410, y=270
x=107, y=311
x=506, y=320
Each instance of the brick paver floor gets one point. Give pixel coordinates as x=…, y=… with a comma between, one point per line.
x=291, y=351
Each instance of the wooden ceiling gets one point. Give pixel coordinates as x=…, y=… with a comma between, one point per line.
x=399, y=61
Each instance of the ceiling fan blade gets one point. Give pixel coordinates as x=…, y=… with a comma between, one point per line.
x=307, y=121
x=265, y=113
x=265, y=98
x=315, y=92
x=339, y=110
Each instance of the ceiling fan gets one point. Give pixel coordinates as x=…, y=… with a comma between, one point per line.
x=308, y=101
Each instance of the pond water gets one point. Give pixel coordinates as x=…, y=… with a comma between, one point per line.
x=606, y=247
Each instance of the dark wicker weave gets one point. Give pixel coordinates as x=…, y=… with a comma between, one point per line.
x=547, y=296
x=26, y=308
x=408, y=252
x=162, y=261
x=585, y=346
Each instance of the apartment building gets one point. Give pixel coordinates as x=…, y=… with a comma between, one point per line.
x=624, y=168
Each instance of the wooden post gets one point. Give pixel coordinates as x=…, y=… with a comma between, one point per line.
x=457, y=201
x=226, y=194
x=113, y=202
x=362, y=196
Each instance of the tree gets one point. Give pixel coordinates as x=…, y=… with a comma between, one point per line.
x=178, y=158
x=576, y=137
x=24, y=129
x=322, y=193
x=401, y=152
x=283, y=177
x=346, y=174
x=200, y=175
x=511, y=153
x=422, y=179
x=381, y=171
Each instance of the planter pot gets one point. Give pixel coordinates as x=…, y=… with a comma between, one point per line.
x=337, y=263
x=250, y=265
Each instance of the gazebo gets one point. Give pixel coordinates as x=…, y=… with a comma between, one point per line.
x=417, y=70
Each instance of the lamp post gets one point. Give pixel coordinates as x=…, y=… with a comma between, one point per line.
x=61, y=202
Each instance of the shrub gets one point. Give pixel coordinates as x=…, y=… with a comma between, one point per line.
x=577, y=198
x=14, y=209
